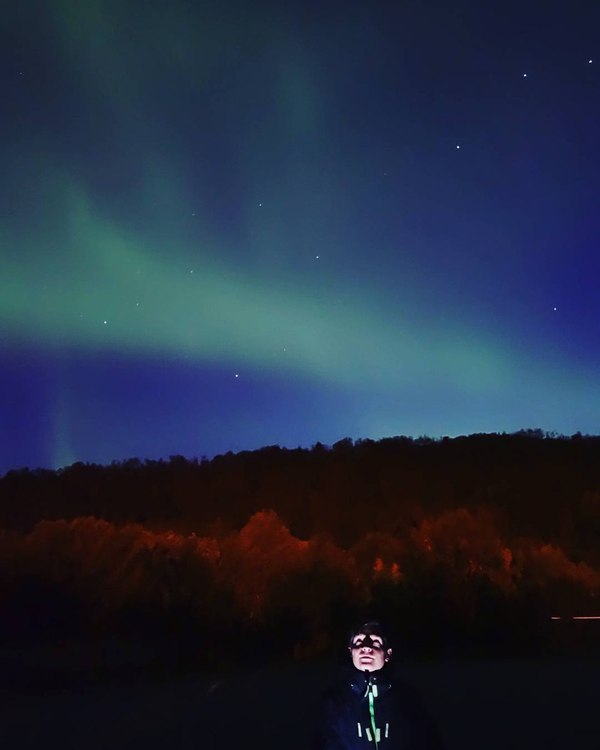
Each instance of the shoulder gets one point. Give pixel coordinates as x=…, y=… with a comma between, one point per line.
x=406, y=696
x=335, y=708
x=408, y=703
x=336, y=695
x=405, y=689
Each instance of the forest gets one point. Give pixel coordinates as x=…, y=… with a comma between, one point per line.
x=462, y=545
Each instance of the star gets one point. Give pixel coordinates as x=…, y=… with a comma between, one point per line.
x=524, y=75
x=260, y=205
x=316, y=257
x=589, y=62
x=106, y=322
x=458, y=147
x=237, y=375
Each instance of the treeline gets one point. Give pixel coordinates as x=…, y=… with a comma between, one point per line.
x=534, y=484
x=448, y=580
x=474, y=541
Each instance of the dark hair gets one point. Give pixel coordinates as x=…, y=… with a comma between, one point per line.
x=370, y=628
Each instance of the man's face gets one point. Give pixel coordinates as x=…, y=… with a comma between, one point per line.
x=368, y=653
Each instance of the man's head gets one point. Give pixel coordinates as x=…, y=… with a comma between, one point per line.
x=369, y=647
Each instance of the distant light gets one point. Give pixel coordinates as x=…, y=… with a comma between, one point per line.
x=524, y=75
x=316, y=257
x=576, y=617
x=237, y=375
x=458, y=147
x=106, y=322
x=555, y=309
x=590, y=62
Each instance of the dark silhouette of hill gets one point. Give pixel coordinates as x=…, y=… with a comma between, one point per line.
x=537, y=485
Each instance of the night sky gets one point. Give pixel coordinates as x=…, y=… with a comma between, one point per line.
x=231, y=224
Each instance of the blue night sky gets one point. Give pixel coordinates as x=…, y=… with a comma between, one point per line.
x=230, y=224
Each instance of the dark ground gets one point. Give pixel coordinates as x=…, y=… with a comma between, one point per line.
x=479, y=705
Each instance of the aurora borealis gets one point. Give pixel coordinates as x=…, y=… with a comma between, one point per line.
x=230, y=224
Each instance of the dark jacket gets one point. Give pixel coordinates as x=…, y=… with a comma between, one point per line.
x=392, y=717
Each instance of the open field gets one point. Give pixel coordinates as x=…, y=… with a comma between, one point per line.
x=491, y=704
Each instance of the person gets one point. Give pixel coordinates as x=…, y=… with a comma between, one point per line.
x=371, y=708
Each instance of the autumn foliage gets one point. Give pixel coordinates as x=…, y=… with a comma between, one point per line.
x=294, y=571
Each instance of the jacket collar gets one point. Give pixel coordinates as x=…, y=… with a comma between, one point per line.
x=360, y=681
